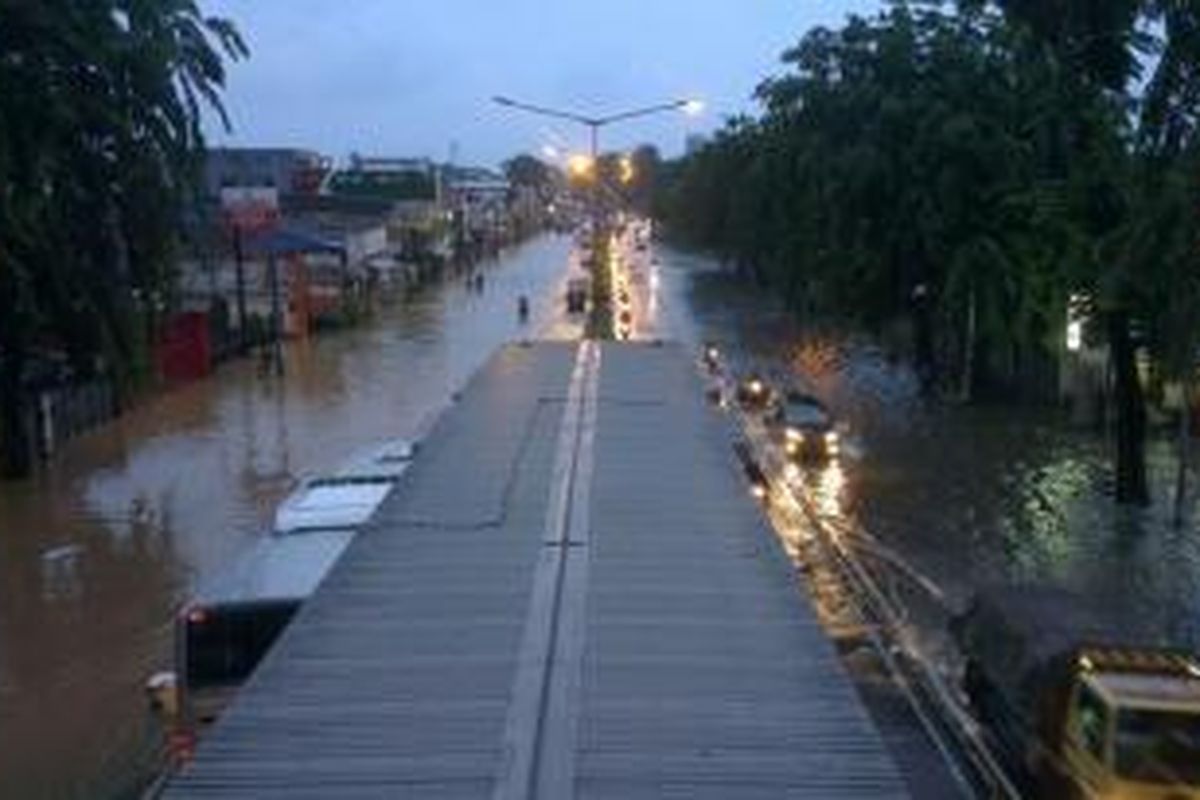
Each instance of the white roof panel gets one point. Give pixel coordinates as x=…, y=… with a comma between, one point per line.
x=278, y=568
x=339, y=502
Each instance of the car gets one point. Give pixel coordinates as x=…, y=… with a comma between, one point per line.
x=577, y=294
x=806, y=427
x=753, y=393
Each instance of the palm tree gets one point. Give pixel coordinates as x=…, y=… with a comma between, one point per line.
x=100, y=140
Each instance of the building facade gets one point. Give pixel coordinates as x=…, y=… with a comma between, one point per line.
x=290, y=171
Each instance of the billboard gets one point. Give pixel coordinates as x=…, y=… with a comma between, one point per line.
x=250, y=209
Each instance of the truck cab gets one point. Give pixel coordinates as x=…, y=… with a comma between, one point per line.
x=1133, y=724
x=1076, y=706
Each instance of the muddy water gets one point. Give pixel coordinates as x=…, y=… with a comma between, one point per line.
x=97, y=551
x=960, y=496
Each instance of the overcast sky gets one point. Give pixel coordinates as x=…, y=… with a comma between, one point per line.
x=415, y=77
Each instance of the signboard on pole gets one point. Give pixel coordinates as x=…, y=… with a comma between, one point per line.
x=250, y=209
x=247, y=210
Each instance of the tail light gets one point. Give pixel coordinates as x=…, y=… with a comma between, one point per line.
x=181, y=745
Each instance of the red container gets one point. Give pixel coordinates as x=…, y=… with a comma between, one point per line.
x=184, y=352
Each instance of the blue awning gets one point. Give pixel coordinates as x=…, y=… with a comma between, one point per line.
x=282, y=241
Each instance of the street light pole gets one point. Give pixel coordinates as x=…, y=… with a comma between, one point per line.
x=594, y=124
x=276, y=315
x=594, y=199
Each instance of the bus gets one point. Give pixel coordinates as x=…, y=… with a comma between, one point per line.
x=231, y=622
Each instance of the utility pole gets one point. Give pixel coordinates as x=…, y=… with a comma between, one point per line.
x=240, y=268
x=276, y=341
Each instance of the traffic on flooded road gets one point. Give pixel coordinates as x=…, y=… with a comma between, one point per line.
x=913, y=598
x=935, y=268
x=804, y=462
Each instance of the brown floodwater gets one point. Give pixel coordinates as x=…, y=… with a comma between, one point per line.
x=103, y=545
x=99, y=549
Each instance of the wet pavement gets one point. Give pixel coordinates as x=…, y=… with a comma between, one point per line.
x=98, y=550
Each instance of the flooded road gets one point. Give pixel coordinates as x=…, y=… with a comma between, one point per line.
x=954, y=497
x=98, y=550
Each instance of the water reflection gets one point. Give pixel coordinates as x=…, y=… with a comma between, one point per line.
x=831, y=481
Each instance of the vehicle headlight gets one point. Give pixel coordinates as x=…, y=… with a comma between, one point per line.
x=831, y=437
x=792, y=447
x=795, y=435
x=756, y=387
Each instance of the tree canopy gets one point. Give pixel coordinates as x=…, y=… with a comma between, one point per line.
x=971, y=167
x=100, y=146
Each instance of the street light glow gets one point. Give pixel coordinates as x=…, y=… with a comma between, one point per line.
x=550, y=152
x=580, y=165
x=693, y=107
x=626, y=169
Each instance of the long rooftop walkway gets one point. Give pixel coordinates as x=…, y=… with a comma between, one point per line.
x=570, y=595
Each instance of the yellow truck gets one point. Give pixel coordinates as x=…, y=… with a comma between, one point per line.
x=1077, y=708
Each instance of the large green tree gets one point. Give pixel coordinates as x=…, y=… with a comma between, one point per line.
x=100, y=145
x=969, y=169
x=529, y=171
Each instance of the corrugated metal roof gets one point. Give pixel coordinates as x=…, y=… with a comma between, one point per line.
x=616, y=622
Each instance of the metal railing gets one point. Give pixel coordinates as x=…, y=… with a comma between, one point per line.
x=949, y=725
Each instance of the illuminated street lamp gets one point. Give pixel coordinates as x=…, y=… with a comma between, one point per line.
x=690, y=106
x=627, y=172
x=581, y=166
